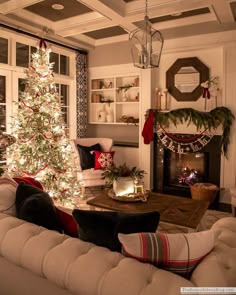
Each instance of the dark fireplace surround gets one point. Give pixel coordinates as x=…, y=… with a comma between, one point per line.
x=164, y=179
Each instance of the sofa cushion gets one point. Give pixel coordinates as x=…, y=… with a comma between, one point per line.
x=103, y=159
x=86, y=157
x=36, y=206
x=7, y=195
x=102, y=227
x=179, y=253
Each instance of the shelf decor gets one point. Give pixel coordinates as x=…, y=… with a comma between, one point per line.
x=209, y=121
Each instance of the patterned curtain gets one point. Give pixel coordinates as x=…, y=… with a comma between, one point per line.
x=81, y=93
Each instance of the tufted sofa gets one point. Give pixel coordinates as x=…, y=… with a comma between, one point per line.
x=36, y=261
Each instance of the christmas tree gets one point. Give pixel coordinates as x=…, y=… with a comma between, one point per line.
x=42, y=149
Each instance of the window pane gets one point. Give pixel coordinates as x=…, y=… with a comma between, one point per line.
x=32, y=50
x=2, y=118
x=64, y=102
x=2, y=89
x=21, y=86
x=3, y=50
x=22, y=55
x=64, y=65
x=65, y=115
x=54, y=57
x=64, y=94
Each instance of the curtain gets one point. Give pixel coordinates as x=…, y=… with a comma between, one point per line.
x=81, y=93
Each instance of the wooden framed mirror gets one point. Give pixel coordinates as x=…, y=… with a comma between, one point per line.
x=184, y=78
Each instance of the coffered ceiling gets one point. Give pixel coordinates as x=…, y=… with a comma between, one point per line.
x=90, y=23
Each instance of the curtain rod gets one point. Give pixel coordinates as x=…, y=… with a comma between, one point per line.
x=38, y=37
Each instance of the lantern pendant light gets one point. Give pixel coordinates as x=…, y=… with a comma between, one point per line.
x=146, y=45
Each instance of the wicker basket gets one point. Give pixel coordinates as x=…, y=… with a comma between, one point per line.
x=204, y=191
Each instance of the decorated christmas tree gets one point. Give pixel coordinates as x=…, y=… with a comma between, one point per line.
x=42, y=149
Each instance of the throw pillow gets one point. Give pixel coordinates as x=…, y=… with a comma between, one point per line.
x=30, y=180
x=102, y=227
x=68, y=223
x=86, y=157
x=179, y=253
x=36, y=206
x=7, y=195
x=103, y=159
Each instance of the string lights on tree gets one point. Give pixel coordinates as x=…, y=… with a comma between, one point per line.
x=42, y=149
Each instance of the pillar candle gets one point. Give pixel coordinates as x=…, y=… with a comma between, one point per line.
x=158, y=99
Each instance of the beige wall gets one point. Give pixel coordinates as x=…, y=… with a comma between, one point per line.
x=111, y=54
x=116, y=132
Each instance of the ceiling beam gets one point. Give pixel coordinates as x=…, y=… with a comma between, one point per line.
x=223, y=11
x=110, y=13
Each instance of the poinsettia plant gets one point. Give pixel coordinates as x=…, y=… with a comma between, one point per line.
x=114, y=172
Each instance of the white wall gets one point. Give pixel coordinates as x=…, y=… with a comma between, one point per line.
x=218, y=52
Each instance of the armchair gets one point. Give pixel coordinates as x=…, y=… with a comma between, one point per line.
x=91, y=177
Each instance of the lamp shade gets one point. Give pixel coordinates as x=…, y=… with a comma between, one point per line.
x=146, y=46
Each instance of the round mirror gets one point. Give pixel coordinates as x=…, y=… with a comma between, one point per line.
x=184, y=78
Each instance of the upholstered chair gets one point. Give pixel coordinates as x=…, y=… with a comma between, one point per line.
x=90, y=176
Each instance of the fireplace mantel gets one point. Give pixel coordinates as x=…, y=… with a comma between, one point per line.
x=213, y=120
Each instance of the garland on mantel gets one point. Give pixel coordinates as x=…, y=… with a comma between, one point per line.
x=207, y=120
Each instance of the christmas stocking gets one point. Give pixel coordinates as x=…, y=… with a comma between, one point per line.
x=147, y=132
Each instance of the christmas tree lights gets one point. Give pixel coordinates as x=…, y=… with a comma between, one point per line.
x=42, y=149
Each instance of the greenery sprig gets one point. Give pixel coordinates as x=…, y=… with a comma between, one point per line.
x=211, y=120
x=113, y=172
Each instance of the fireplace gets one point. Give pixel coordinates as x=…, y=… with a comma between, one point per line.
x=173, y=172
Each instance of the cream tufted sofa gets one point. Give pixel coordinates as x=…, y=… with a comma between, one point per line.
x=36, y=261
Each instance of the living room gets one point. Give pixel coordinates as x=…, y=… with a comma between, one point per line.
x=204, y=30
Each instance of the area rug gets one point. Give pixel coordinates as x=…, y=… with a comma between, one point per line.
x=211, y=216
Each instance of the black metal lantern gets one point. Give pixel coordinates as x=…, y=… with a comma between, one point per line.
x=146, y=45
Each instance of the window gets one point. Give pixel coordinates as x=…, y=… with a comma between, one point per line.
x=64, y=65
x=61, y=63
x=16, y=50
x=3, y=51
x=2, y=103
x=63, y=91
x=23, y=54
x=54, y=58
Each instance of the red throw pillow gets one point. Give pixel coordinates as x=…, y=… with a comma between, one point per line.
x=68, y=223
x=29, y=180
x=103, y=159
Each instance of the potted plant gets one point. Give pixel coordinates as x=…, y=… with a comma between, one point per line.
x=122, y=178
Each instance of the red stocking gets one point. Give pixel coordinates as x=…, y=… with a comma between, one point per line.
x=147, y=132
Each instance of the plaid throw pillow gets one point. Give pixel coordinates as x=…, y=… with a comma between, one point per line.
x=179, y=253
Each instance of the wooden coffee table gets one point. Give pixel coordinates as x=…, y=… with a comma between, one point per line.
x=175, y=210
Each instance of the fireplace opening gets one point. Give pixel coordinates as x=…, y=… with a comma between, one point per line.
x=172, y=172
x=183, y=169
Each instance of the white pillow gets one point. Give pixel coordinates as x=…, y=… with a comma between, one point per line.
x=179, y=253
x=8, y=188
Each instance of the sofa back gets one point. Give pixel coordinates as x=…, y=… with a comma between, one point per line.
x=80, y=267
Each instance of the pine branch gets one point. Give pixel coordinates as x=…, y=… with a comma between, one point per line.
x=208, y=120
